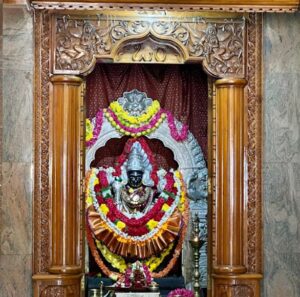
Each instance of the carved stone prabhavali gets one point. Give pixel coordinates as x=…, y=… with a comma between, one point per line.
x=70, y=42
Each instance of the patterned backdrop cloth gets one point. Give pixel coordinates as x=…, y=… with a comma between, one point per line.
x=181, y=89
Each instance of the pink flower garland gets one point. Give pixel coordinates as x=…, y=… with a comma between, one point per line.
x=97, y=128
x=153, y=123
x=181, y=292
x=127, y=278
x=178, y=136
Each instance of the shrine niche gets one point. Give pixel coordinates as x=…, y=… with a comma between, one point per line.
x=184, y=156
x=68, y=45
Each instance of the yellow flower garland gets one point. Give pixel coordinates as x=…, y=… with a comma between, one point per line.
x=89, y=130
x=131, y=120
x=116, y=261
x=154, y=262
x=119, y=263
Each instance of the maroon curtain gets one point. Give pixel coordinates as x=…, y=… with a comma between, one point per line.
x=181, y=89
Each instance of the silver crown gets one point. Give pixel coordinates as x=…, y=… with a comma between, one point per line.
x=135, y=102
x=135, y=160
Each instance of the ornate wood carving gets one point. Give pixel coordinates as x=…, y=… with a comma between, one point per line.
x=242, y=290
x=60, y=291
x=41, y=189
x=253, y=89
x=174, y=36
x=53, y=286
x=80, y=40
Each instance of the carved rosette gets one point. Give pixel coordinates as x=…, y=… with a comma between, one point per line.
x=80, y=40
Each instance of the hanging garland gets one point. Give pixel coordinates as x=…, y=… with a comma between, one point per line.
x=116, y=275
x=93, y=128
x=139, y=228
x=134, y=126
x=119, y=236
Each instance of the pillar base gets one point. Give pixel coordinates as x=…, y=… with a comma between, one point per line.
x=243, y=285
x=49, y=285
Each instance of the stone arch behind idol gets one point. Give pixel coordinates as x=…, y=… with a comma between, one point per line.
x=190, y=159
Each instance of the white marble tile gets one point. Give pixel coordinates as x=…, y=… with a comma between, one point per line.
x=282, y=118
x=15, y=276
x=17, y=116
x=16, y=209
x=281, y=208
x=282, y=43
x=17, y=39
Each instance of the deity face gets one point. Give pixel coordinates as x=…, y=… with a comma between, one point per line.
x=135, y=178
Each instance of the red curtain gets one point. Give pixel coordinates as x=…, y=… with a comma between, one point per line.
x=181, y=89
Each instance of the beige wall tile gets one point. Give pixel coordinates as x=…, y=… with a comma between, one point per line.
x=16, y=209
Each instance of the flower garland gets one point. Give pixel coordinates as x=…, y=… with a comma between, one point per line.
x=134, y=130
x=116, y=261
x=137, y=275
x=99, y=198
x=178, y=136
x=144, y=227
x=120, y=264
x=126, y=124
x=93, y=128
x=126, y=119
x=181, y=292
x=162, y=273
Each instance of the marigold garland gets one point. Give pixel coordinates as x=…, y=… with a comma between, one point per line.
x=132, y=130
x=119, y=262
x=153, y=220
x=126, y=124
x=126, y=118
x=97, y=183
x=162, y=273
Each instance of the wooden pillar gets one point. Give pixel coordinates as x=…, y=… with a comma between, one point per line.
x=65, y=175
x=229, y=179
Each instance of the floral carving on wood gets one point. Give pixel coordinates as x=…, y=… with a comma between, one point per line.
x=254, y=261
x=242, y=291
x=41, y=201
x=80, y=40
x=61, y=291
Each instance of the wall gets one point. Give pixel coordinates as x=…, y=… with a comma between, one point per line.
x=16, y=153
x=282, y=155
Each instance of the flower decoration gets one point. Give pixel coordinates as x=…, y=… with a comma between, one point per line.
x=137, y=275
x=181, y=292
x=127, y=119
x=135, y=126
x=141, y=235
x=93, y=128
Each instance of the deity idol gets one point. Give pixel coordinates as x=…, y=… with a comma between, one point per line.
x=135, y=193
x=136, y=212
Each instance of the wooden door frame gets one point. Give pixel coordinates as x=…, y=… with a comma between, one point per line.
x=235, y=215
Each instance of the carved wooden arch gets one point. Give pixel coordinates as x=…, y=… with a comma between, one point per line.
x=217, y=43
x=62, y=58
